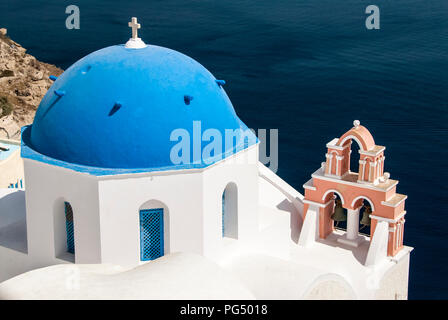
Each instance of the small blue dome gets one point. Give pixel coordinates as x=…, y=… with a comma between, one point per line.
x=117, y=108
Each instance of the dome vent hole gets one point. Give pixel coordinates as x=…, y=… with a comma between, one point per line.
x=188, y=99
x=115, y=108
x=220, y=83
x=86, y=69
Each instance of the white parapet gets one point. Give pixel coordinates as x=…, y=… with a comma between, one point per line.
x=310, y=231
x=378, y=245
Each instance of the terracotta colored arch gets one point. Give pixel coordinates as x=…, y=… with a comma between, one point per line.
x=361, y=135
x=334, y=191
x=364, y=198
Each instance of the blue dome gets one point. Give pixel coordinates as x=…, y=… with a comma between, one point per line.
x=117, y=108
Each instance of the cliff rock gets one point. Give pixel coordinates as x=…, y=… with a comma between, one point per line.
x=23, y=83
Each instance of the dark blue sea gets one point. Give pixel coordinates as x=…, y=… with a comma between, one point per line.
x=308, y=68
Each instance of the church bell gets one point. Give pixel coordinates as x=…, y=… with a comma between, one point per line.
x=365, y=221
x=339, y=214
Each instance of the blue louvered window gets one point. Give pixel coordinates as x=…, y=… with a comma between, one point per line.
x=151, y=234
x=69, y=227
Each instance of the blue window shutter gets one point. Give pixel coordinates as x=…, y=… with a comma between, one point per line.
x=69, y=227
x=151, y=234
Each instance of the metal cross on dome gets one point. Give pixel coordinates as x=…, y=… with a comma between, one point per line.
x=135, y=26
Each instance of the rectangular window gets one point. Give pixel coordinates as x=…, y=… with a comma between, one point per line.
x=151, y=234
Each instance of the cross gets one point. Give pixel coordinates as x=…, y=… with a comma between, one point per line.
x=135, y=26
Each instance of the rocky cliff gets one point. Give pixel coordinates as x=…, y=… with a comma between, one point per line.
x=23, y=83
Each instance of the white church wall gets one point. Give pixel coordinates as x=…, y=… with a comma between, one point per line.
x=329, y=287
x=122, y=197
x=242, y=171
x=191, y=200
x=20, y=262
x=47, y=188
x=270, y=196
x=394, y=283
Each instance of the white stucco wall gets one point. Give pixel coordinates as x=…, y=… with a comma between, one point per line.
x=106, y=209
x=47, y=189
x=191, y=200
x=394, y=283
x=242, y=170
x=330, y=287
x=122, y=197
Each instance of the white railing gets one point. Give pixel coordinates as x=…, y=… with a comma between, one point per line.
x=291, y=194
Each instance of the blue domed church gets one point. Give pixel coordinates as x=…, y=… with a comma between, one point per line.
x=138, y=170
x=135, y=152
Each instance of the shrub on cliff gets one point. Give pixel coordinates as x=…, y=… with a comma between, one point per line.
x=5, y=107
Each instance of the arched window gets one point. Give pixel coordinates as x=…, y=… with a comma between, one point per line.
x=339, y=214
x=64, y=230
x=230, y=211
x=366, y=208
x=69, y=227
x=354, y=158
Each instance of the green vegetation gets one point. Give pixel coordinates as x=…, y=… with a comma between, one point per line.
x=5, y=106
